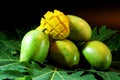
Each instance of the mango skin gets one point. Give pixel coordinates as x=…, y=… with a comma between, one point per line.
x=65, y=53
x=80, y=30
x=97, y=54
x=34, y=46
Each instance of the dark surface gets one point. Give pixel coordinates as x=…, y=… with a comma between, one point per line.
x=25, y=14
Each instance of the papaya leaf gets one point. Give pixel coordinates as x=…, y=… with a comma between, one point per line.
x=114, y=43
x=109, y=75
x=10, y=75
x=105, y=75
x=26, y=77
x=20, y=33
x=13, y=65
x=2, y=36
x=6, y=61
x=16, y=70
x=50, y=73
x=102, y=33
x=7, y=35
x=9, y=49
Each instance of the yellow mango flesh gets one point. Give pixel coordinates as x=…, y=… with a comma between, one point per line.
x=55, y=25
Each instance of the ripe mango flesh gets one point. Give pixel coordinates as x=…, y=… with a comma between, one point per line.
x=80, y=30
x=65, y=53
x=97, y=54
x=55, y=24
x=34, y=46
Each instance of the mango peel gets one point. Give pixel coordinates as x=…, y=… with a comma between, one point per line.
x=80, y=30
x=97, y=54
x=34, y=46
x=65, y=53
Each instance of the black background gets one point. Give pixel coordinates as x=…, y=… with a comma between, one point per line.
x=24, y=14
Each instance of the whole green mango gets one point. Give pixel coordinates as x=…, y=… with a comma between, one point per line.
x=65, y=53
x=34, y=46
x=80, y=30
x=97, y=54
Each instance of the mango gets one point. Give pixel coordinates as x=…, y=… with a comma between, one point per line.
x=64, y=53
x=55, y=24
x=80, y=30
x=34, y=46
x=97, y=54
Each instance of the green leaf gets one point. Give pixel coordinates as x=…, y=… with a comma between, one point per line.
x=9, y=49
x=6, y=61
x=102, y=33
x=43, y=74
x=2, y=36
x=20, y=33
x=14, y=65
x=26, y=77
x=7, y=35
x=10, y=74
x=49, y=73
x=15, y=69
x=109, y=75
x=114, y=43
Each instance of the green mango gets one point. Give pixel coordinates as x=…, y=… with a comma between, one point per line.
x=97, y=54
x=34, y=46
x=65, y=53
x=80, y=30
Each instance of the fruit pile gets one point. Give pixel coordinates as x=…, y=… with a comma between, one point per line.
x=56, y=38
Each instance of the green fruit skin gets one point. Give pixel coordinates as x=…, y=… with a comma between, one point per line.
x=34, y=46
x=80, y=30
x=97, y=54
x=65, y=53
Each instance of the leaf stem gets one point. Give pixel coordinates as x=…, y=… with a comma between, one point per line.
x=60, y=76
x=53, y=74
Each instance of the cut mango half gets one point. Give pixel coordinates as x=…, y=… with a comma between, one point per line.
x=55, y=24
